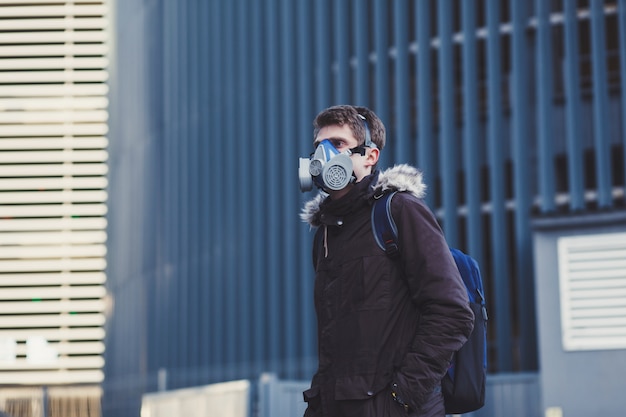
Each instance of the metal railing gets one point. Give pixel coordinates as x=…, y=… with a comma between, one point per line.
x=66, y=401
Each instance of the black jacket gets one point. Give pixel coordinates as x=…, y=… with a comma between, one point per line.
x=383, y=324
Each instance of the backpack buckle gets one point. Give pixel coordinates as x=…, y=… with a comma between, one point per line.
x=391, y=248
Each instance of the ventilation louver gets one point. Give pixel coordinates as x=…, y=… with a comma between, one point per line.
x=53, y=126
x=592, y=276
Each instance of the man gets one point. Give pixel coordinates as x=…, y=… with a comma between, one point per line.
x=387, y=326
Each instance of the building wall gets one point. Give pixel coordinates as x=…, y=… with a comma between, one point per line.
x=509, y=107
x=582, y=379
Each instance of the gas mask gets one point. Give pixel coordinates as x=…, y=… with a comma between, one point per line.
x=327, y=168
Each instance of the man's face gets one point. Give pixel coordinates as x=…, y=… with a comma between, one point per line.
x=343, y=139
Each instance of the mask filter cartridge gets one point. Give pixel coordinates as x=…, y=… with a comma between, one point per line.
x=328, y=169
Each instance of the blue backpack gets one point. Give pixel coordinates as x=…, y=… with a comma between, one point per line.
x=463, y=386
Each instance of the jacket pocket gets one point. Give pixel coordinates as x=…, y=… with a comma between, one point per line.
x=358, y=387
x=312, y=398
x=311, y=395
x=352, y=403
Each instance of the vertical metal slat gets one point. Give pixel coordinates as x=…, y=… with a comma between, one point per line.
x=193, y=245
x=499, y=256
x=205, y=71
x=544, y=107
x=522, y=175
x=471, y=141
x=305, y=117
x=447, y=122
x=425, y=149
x=622, y=61
x=182, y=138
x=272, y=198
x=257, y=118
x=572, y=91
x=244, y=201
x=342, y=57
x=217, y=246
x=322, y=55
x=600, y=105
x=361, y=43
x=402, y=135
x=381, y=70
x=288, y=250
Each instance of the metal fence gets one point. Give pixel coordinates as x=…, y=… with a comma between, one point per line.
x=512, y=395
x=57, y=401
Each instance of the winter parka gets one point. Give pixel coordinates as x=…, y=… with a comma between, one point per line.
x=387, y=327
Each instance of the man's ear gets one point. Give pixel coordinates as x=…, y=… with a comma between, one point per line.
x=372, y=156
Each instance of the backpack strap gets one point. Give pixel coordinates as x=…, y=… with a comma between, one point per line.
x=383, y=226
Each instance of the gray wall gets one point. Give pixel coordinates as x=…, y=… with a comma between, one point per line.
x=581, y=383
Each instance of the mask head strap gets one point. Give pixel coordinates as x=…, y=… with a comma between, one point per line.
x=368, y=139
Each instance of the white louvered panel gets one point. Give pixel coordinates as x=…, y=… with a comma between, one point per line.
x=56, y=251
x=43, y=307
x=45, y=129
x=51, y=50
x=73, y=183
x=43, y=197
x=51, y=24
x=51, y=76
x=70, y=348
x=57, y=103
x=67, y=334
x=53, y=63
x=61, y=238
x=46, y=320
x=50, y=37
x=53, y=127
x=592, y=277
x=39, y=293
x=70, y=362
x=59, y=10
x=54, y=377
x=68, y=155
x=70, y=116
x=53, y=183
x=53, y=210
x=60, y=278
x=95, y=142
x=43, y=265
x=45, y=170
x=65, y=223
x=52, y=90
x=29, y=2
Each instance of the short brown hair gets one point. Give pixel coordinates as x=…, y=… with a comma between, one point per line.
x=350, y=115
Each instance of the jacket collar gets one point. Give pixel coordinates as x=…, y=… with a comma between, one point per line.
x=402, y=177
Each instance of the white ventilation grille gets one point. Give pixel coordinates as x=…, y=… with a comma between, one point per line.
x=53, y=126
x=592, y=275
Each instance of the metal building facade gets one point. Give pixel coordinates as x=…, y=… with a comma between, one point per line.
x=511, y=108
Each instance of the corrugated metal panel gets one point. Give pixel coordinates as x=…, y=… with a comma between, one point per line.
x=213, y=103
x=592, y=277
x=53, y=126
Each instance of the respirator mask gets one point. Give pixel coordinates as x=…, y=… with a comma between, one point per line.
x=328, y=168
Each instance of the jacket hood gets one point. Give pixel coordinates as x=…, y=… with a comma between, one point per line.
x=404, y=178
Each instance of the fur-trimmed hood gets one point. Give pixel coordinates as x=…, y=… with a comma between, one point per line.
x=405, y=178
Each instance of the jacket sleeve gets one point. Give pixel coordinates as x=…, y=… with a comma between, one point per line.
x=437, y=290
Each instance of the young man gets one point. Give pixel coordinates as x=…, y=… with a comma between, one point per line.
x=387, y=326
